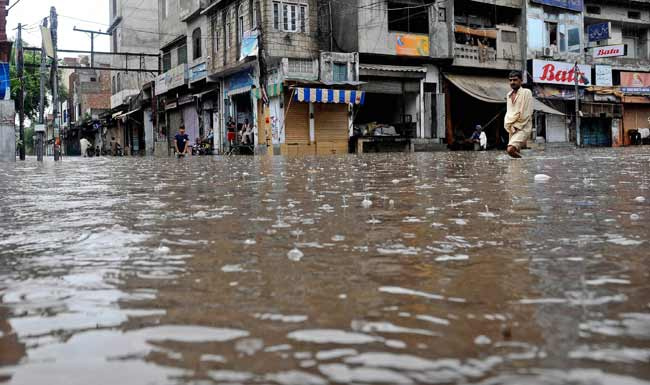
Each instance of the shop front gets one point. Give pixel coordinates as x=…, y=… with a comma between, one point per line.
x=635, y=87
x=318, y=120
x=238, y=100
x=485, y=97
x=393, y=107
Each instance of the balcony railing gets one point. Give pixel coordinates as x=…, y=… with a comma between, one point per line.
x=475, y=53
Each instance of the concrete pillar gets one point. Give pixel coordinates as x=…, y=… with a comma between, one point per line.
x=7, y=131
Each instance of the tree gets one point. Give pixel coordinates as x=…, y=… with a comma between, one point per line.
x=32, y=83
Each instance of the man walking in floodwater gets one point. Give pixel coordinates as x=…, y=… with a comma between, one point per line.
x=181, y=142
x=519, y=115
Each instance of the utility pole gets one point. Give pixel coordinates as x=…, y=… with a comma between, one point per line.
x=21, y=93
x=41, y=107
x=55, y=87
x=92, y=42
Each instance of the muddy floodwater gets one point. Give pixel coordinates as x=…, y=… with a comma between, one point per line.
x=377, y=269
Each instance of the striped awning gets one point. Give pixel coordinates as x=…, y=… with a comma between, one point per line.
x=324, y=95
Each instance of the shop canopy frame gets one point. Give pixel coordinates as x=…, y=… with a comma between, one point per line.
x=492, y=90
x=327, y=95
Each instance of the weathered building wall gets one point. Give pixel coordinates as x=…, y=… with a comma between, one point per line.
x=291, y=44
x=136, y=33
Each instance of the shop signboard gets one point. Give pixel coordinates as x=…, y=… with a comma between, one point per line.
x=240, y=80
x=604, y=75
x=198, y=72
x=177, y=76
x=553, y=72
x=249, y=45
x=161, y=84
x=635, y=79
x=412, y=45
x=610, y=51
x=574, y=5
x=635, y=83
x=598, y=32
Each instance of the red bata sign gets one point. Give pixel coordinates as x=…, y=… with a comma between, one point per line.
x=553, y=72
x=610, y=51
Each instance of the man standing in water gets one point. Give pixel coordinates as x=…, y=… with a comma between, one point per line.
x=519, y=115
x=181, y=142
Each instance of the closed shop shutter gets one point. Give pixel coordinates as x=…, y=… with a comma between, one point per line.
x=297, y=123
x=331, y=128
x=191, y=121
x=635, y=116
x=555, y=128
x=174, y=122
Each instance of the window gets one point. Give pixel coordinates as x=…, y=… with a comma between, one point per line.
x=166, y=62
x=182, y=54
x=442, y=14
x=574, y=39
x=240, y=22
x=253, y=13
x=508, y=36
x=114, y=38
x=634, y=15
x=302, y=66
x=340, y=72
x=227, y=37
x=114, y=85
x=276, y=15
x=93, y=79
x=119, y=84
x=290, y=17
x=593, y=9
x=408, y=17
x=215, y=34
x=551, y=36
x=196, y=44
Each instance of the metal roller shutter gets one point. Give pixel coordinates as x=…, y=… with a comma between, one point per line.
x=331, y=128
x=297, y=123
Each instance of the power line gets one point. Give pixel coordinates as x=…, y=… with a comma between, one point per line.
x=13, y=5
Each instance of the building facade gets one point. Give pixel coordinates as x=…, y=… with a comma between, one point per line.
x=330, y=76
x=134, y=30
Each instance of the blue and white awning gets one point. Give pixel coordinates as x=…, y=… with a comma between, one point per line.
x=324, y=95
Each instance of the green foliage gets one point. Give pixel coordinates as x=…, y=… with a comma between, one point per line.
x=32, y=83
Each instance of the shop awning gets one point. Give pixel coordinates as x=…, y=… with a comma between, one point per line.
x=485, y=88
x=324, y=95
x=271, y=91
x=239, y=91
x=541, y=107
x=492, y=90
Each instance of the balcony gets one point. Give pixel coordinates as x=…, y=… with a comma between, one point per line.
x=496, y=48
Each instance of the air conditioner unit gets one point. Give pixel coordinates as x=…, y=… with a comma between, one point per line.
x=548, y=52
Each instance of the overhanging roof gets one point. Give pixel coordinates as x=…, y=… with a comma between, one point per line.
x=391, y=68
x=491, y=90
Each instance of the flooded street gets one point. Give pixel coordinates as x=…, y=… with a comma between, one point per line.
x=377, y=269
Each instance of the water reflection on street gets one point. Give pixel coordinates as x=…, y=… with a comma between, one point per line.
x=386, y=268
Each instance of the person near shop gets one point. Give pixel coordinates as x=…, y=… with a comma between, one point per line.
x=84, y=144
x=181, y=142
x=231, y=127
x=479, y=138
x=519, y=115
x=247, y=133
